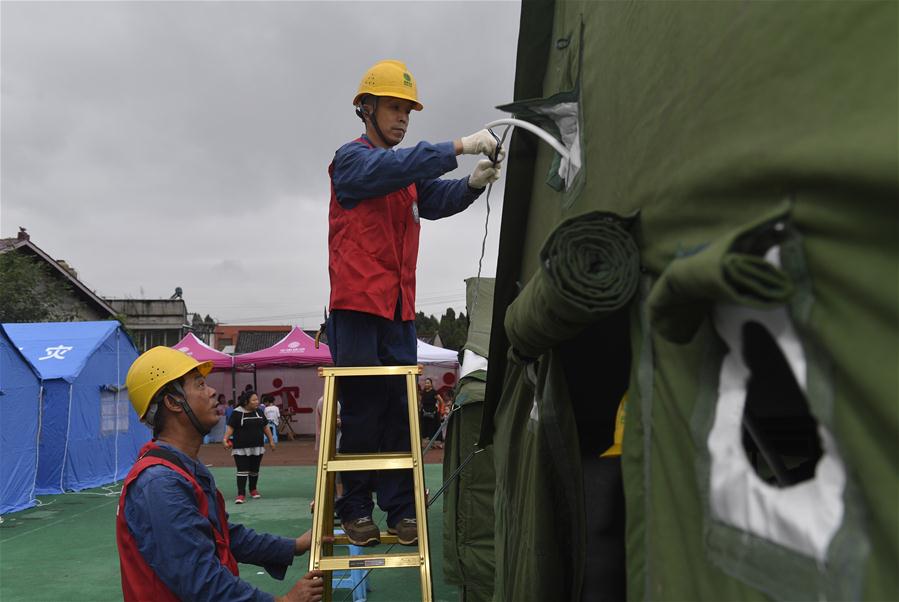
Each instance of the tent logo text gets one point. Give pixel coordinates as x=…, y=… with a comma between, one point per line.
x=56, y=353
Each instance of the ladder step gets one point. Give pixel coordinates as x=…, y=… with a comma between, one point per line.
x=372, y=561
x=388, y=461
x=370, y=371
x=386, y=539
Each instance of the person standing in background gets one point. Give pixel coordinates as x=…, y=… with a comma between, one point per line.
x=430, y=413
x=249, y=426
x=272, y=414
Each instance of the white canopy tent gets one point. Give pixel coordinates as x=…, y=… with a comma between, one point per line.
x=440, y=365
x=430, y=355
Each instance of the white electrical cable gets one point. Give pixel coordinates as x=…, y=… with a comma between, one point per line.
x=540, y=133
x=477, y=287
x=108, y=491
x=543, y=135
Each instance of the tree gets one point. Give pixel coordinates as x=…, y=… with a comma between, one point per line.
x=426, y=326
x=29, y=292
x=453, y=330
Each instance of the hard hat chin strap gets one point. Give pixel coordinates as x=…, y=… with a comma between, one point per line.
x=182, y=401
x=372, y=116
x=193, y=418
x=150, y=417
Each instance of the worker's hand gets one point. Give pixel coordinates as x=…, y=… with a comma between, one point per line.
x=308, y=589
x=227, y=443
x=304, y=542
x=482, y=142
x=484, y=173
x=272, y=444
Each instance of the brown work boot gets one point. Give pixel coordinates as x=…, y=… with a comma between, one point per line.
x=406, y=531
x=362, y=532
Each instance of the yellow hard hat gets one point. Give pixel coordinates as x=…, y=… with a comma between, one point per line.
x=154, y=369
x=389, y=78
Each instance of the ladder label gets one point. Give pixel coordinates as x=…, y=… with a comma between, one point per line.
x=355, y=564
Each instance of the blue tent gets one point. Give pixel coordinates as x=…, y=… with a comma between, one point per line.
x=89, y=434
x=19, y=395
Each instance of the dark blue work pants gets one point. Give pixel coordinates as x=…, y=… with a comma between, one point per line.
x=374, y=416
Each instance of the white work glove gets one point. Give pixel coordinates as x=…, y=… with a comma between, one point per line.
x=484, y=173
x=481, y=142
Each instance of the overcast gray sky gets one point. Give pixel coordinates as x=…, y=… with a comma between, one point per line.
x=163, y=144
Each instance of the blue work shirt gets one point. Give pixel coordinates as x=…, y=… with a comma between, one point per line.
x=175, y=539
x=363, y=173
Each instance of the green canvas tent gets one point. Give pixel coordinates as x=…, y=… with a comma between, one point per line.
x=468, y=531
x=720, y=244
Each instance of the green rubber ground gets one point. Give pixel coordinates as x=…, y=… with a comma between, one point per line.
x=65, y=549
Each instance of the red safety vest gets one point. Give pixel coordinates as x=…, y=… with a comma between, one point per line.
x=372, y=252
x=139, y=581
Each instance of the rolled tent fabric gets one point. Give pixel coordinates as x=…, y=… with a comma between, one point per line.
x=589, y=267
x=730, y=270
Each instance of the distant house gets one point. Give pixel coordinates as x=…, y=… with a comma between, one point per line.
x=153, y=322
x=246, y=339
x=81, y=303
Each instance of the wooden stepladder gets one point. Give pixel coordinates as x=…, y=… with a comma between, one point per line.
x=330, y=463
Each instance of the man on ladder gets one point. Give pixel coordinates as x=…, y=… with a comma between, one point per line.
x=378, y=195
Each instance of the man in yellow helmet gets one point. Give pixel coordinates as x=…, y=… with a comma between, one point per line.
x=172, y=531
x=378, y=196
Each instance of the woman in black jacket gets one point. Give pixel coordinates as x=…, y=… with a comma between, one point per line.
x=248, y=426
x=430, y=413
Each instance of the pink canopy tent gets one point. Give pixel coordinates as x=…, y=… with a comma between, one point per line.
x=202, y=352
x=286, y=370
x=219, y=379
x=295, y=349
